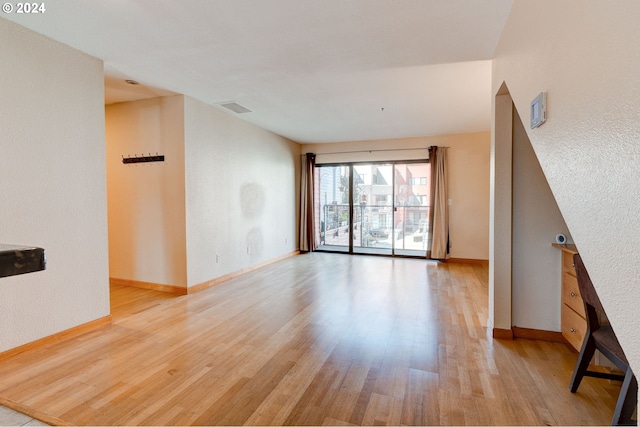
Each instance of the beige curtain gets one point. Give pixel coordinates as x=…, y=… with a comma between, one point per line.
x=307, y=229
x=438, y=242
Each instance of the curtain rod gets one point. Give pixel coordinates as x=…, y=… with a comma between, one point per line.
x=371, y=151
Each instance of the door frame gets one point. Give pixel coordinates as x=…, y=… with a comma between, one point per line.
x=351, y=168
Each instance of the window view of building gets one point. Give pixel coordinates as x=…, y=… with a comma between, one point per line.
x=388, y=209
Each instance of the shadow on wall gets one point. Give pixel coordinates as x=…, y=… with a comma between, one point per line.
x=255, y=241
x=252, y=202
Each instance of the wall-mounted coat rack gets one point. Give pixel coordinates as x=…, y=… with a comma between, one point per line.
x=143, y=158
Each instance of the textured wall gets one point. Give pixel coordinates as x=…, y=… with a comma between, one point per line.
x=53, y=191
x=146, y=200
x=584, y=55
x=241, y=192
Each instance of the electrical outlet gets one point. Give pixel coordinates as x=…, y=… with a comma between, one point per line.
x=218, y=258
x=248, y=250
x=286, y=240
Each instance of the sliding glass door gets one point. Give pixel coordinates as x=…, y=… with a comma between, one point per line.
x=411, y=208
x=373, y=208
x=333, y=207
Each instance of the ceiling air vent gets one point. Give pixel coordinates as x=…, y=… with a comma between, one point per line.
x=235, y=107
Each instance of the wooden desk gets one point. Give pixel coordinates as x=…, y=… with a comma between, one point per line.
x=573, y=321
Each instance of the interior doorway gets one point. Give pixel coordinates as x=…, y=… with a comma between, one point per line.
x=379, y=208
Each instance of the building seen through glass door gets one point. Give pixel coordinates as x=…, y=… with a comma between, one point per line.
x=332, y=207
x=373, y=208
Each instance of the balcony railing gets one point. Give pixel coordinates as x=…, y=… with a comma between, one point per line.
x=375, y=226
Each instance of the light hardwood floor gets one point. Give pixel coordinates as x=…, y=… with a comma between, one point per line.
x=315, y=339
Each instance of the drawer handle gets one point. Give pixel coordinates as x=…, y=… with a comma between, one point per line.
x=573, y=294
x=572, y=330
x=573, y=265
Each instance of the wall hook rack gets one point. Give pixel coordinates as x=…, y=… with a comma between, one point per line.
x=143, y=158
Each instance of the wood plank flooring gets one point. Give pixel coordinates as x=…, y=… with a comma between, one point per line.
x=316, y=339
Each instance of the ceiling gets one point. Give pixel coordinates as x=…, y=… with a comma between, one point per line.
x=309, y=70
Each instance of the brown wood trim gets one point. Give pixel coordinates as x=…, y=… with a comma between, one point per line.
x=204, y=285
x=172, y=289
x=527, y=333
x=33, y=413
x=538, y=334
x=58, y=337
x=469, y=261
x=502, y=334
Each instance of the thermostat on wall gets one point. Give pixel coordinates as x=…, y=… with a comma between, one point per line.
x=539, y=110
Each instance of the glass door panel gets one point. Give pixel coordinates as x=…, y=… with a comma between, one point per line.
x=412, y=187
x=373, y=208
x=332, y=212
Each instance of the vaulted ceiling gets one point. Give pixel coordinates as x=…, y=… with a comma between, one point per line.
x=309, y=70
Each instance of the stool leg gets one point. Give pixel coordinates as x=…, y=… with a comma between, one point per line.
x=586, y=353
x=627, y=400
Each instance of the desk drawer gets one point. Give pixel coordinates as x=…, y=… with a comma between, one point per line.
x=573, y=327
x=571, y=294
x=567, y=264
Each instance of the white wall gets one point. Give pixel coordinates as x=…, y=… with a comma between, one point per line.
x=468, y=166
x=225, y=186
x=241, y=192
x=537, y=266
x=584, y=55
x=53, y=192
x=147, y=200
x=500, y=212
